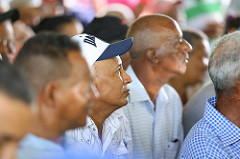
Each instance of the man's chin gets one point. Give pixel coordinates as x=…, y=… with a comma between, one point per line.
x=182, y=71
x=125, y=102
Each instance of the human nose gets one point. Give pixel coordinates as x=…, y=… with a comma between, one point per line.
x=126, y=78
x=186, y=47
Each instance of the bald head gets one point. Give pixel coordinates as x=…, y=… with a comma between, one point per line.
x=148, y=30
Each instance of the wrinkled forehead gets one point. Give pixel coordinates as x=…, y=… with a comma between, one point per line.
x=172, y=27
x=107, y=65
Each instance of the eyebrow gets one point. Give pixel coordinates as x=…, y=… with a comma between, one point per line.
x=119, y=66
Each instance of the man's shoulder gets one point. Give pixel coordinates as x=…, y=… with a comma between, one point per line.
x=172, y=95
x=200, y=141
x=33, y=146
x=170, y=90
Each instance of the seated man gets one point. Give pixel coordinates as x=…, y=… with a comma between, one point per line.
x=62, y=82
x=107, y=131
x=154, y=110
x=217, y=134
x=15, y=101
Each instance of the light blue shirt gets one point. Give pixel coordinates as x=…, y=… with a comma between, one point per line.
x=156, y=134
x=214, y=136
x=34, y=147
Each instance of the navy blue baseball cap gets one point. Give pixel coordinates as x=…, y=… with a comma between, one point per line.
x=95, y=49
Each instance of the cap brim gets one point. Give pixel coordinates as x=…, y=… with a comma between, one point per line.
x=116, y=49
x=12, y=15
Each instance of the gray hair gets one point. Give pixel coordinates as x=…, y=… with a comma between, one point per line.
x=224, y=63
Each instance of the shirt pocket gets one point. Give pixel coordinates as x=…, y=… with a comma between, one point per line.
x=172, y=149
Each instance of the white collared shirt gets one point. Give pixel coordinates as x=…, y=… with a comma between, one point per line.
x=116, y=136
x=156, y=134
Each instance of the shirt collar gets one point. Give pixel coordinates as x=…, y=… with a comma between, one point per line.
x=114, y=120
x=44, y=144
x=137, y=91
x=110, y=126
x=226, y=130
x=91, y=126
x=162, y=96
x=111, y=123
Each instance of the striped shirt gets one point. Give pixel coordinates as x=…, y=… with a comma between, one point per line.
x=116, y=136
x=214, y=136
x=156, y=134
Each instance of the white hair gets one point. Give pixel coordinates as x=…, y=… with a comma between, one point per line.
x=224, y=63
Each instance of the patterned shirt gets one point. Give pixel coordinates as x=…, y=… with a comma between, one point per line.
x=116, y=136
x=34, y=147
x=214, y=136
x=156, y=134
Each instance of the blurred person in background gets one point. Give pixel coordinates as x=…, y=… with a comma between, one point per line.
x=7, y=39
x=118, y=10
x=84, y=10
x=22, y=33
x=67, y=25
x=15, y=100
x=196, y=66
x=194, y=109
x=29, y=10
x=167, y=7
x=110, y=29
x=232, y=24
x=206, y=15
x=33, y=11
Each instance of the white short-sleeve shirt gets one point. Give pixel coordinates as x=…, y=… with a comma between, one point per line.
x=116, y=136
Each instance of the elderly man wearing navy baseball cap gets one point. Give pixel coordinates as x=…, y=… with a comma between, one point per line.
x=107, y=131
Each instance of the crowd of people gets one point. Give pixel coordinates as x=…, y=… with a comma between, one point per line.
x=119, y=79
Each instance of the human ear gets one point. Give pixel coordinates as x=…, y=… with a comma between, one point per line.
x=151, y=56
x=50, y=93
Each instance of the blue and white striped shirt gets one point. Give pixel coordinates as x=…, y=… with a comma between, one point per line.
x=214, y=136
x=156, y=134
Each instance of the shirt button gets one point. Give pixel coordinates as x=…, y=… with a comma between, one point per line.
x=94, y=129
